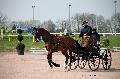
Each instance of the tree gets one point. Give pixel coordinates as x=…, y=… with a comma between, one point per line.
x=115, y=21
x=101, y=24
x=77, y=21
x=109, y=26
x=49, y=25
x=3, y=20
x=92, y=20
x=61, y=25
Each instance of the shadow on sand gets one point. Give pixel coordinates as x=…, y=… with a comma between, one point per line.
x=99, y=70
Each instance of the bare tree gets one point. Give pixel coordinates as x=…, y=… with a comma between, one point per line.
x=77, y=18
x=49, y=25
x=101, y=24
x=115, y=22
x=109, y=26
x=92, y=20
x=61, y=25
x=3, y=20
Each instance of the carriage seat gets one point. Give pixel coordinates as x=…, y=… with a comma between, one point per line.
x=78, y=48
x=89, y=43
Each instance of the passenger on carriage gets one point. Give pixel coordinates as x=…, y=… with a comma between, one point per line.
x=95, y=36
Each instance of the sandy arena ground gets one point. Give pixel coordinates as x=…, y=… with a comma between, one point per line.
x=31, y=66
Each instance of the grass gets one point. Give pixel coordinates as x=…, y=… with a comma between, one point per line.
x=6, y=45
x=114, y=41
x=10, y=46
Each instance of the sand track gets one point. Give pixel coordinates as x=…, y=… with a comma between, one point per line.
x=30, y=66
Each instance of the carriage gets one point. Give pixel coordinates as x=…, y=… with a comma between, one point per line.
x=92, y=54
x=78, y=54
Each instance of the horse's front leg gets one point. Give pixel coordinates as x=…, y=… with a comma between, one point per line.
x=49, y=58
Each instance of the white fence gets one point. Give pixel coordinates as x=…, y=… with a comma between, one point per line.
x=61, y=33
x=98, y=33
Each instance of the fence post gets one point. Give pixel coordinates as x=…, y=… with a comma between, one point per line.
x=61, y=33
x=33, y=38
x=9, y=36
x=73, y=35
x=2, y=33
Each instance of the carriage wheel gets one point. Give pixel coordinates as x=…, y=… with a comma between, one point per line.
x=82, y=62
x=106, y=59
x=74, y=65
x=94, y=61
x=74, y=62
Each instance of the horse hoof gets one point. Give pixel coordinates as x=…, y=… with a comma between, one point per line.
x=51, y=66
x=57, y=65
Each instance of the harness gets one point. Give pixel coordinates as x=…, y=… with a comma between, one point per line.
x=54, y=40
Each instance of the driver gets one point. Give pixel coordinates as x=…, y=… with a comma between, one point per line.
x=86, y=30
x=85, y=33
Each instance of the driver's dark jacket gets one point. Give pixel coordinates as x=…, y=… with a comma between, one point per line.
x=86, y=30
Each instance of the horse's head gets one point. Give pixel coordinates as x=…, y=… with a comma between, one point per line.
x=39, y=33
x=36, y=33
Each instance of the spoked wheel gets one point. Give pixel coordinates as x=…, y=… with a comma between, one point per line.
x=94, y=61
x=106, y=59
x=74, y=65
x=74, y=62
x=82, y=62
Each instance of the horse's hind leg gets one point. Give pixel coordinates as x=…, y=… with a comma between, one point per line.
x=49, y=57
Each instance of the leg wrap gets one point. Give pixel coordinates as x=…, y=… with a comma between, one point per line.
x=50, y=62
x=56, y=65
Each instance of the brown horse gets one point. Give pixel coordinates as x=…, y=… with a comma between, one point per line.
x=56, y=43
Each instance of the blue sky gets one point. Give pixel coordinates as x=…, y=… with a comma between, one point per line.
x=55, y=9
